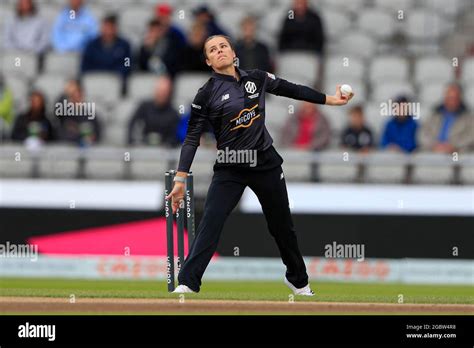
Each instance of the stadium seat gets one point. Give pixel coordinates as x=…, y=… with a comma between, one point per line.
x=424, y=25
x=467, y=169
x=102, y=87
x=430, y=168
x=20, y=89
x=277, y=112
x=447, y=8
x=383, y=91
x=377, y=22
x=52, y=86
x=59, y=162
x=467, y=70
x=394, y=5
x=11, y=168
x=298, y=67
x=19, y=63
x=141, y=86
x=433, y=70
x=388, y=69
x=356, y=43
x=342, y=67
x=385, y=167
x=375, y=120
x=469, y=91
x=49, y=12
x=134, y=21
x=123, y=112
x=354, y=6
x=343, y=172
x=272, y=21
x=337, y=118
x=186, y=87
x=230, y=17
x=432, y=95
x=335, y=22
x=66, y=64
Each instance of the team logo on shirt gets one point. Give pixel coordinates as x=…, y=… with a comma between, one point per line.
x=245, y=118
x=250, y=87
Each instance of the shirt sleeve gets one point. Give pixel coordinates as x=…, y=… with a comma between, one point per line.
x=197, y=121
x=281, y=87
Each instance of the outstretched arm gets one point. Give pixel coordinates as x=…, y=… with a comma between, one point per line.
x=281, y=87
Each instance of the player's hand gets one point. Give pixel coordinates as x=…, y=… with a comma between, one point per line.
x=338, y=98
x=176, y=195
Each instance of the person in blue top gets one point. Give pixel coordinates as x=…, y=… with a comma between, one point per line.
x=400, y=132
x=73, y=28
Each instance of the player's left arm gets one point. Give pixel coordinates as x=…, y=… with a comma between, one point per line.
x=282, y=87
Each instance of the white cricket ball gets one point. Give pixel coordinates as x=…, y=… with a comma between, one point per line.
x=346, y=90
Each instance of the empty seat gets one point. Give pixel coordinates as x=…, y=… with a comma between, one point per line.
x=298, y=67
x=335, y=22
x=378, y=23
x=186, y=87
x=19, y=63
x=356, y=43
x=467, y=72
x=433, y=70
x=469, y=91
x=375, y=120
x=142, y=86
x=385, y=167
x=19, y=88
x=272, y=21
x=424, y=25
x=467, y=169
x=338, y=119
x=123, y=112
x=102, y=87
x=354, y=6
x=343, y=172
x=382, y=92
x=432, y=94
x=432, y=168
x=277, y=112
x=66, y=64
x=230, y=17
x=394, y=5
x=52, y=86
x=447, y=8
x=341, y=67
x=388, y=68
x=135, y=19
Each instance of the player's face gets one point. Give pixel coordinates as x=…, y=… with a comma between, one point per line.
x=219, y=53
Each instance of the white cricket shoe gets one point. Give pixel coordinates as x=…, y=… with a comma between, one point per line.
x=183, y=289
x=306, y=291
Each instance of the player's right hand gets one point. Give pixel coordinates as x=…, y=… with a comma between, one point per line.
x=176, y=195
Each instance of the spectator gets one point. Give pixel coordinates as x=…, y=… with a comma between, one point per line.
x=26, y=31
x=451, y=128
x=161, y=49
x=6, y=102
x=357, y=136
x=203, y=15
x=155, y=121
x=74, y=28
x=33, y=124
x=400, y=132
x=303, y=32
x=108, y=52
x=77, y=127
x=251, y=53
x=308, y=131
x=193, y=56
x=163, y=14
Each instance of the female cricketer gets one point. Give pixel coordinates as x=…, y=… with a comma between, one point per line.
x=233, y=102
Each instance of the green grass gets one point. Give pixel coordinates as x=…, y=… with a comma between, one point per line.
x=211, y=290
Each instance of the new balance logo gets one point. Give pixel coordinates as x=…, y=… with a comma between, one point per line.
x=282, y=176
x=225, y=97
x=196, y=106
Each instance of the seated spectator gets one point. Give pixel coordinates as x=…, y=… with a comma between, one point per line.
x=161, y=49
x=303, y=32
x=309, y=130
x=400, y=131
x=6, y=102
x=26, y=31
x=78, y=127
x=203, y=15
x=163, y=13
x=33, y=123
x=451, y=128
x=108, y=52
x=155, y=121
x=357, y=136
x=74, y=28
x=193, y=56
x=251, y=53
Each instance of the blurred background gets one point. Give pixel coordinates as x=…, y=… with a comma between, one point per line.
x=89, y=179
